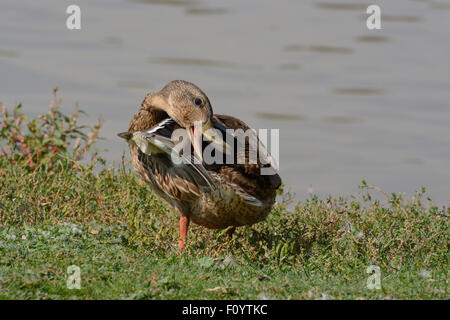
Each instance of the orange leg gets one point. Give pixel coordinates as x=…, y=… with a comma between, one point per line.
x=184, y=225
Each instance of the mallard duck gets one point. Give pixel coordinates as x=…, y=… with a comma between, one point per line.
x=224, y=194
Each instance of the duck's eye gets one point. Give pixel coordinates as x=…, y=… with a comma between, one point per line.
x=198, y=101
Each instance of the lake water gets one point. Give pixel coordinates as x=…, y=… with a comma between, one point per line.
x=350, y=103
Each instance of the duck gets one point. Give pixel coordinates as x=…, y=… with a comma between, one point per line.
x=221, y=189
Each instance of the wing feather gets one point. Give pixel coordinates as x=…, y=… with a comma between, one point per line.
x=159, y=137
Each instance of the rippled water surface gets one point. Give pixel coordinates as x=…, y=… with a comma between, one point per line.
x=350, y=103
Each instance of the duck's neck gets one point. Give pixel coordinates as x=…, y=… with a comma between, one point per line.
x=145, y=119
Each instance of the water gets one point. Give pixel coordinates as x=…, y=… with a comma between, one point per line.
x=351, y=104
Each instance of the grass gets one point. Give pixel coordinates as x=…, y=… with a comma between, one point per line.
x=60, y=205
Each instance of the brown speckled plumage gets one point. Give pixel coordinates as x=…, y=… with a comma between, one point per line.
x=242, y=195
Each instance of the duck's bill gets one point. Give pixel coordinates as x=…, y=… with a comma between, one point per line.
x=208, y=131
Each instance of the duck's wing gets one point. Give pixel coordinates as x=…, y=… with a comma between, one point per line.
x=256, y=175
x=157, y=142
x=248, y=147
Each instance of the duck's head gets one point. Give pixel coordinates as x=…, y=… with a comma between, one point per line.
x=183, y=101
x=189, y=106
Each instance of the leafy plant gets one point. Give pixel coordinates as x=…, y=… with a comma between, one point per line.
x=47, y=139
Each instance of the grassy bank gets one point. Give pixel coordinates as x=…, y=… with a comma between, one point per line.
x=61, y=206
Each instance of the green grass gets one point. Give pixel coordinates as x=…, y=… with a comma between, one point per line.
x=58, y=209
